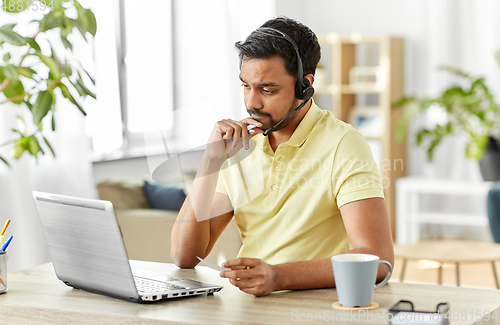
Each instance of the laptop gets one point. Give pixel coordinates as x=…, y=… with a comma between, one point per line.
x=87, y=251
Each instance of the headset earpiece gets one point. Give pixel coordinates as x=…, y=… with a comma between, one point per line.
x=307, y=90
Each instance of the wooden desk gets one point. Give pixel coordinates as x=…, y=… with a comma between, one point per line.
x=36, y=296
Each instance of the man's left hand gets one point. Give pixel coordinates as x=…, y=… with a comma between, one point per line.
x=251, y=275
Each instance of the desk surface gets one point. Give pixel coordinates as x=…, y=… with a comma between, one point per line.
x=36, y=296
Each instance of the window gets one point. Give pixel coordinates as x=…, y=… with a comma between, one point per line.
x=144, y=49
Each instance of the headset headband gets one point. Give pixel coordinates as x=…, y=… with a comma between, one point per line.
x=300, y=71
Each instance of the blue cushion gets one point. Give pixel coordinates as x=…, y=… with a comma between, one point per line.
x=164, y=196
x=493, y=205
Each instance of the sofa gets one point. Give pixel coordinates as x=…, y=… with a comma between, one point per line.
x=146, y=231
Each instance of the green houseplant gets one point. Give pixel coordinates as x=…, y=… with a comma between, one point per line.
x=25, y=82
x=470, y=108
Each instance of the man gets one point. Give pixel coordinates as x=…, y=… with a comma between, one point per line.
x=320, y=193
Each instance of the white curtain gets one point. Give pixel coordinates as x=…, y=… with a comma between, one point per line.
x=70, y=173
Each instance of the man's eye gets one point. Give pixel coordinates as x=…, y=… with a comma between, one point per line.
x=245, y=86
x=267, y=91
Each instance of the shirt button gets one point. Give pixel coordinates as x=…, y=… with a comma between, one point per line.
x=274, y=187
x=277, y=166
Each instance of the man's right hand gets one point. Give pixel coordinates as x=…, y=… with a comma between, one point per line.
x=228, y=137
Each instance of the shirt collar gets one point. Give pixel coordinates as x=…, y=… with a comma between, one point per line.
x=305, y=126
x=300, y=134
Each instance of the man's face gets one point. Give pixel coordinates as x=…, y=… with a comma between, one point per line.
x=269, y=91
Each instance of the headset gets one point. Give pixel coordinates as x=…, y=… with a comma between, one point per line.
x=303, y=88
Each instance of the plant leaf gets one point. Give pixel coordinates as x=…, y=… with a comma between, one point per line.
x=66, y=93
x=453, y=70
x=9, y=26
x=55, y=57
x=5, y=161
x=49, y=62
x=7, y=57
x=42, y=105
x=80, y=90
x=34, y=45
x=34, y=146
x=82, y=85
x=67, y=44
x=25, y=72
x=29, y=105
x=10, y=72
x=50, y=21
x=86, y=19
x=17, y=150
x=66, y=68
x=79, y=26
x=92, y=23
x=11, y=37
x=50, y=147
x=403, y=101
x=15, y=89
x=21, y=126
x=53, y=121
x=88, y=75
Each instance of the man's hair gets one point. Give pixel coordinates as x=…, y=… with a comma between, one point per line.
x=262, y=46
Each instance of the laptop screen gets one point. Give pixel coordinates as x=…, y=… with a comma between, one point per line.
x=85, y=244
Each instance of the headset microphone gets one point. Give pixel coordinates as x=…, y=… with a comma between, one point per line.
x=271, y=129
x=303, y=88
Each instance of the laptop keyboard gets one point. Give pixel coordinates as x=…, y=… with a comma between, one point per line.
x=151, y=286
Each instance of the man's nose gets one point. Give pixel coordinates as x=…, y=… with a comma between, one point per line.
x=253, y=100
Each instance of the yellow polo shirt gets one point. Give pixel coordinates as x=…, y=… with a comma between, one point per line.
x=286, y=203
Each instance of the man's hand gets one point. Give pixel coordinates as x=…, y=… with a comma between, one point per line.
x=251, y=275
x=228, y=137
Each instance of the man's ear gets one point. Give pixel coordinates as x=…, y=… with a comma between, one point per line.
x=310, y=77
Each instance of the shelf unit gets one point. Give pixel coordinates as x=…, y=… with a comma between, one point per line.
x=409, y=208
x=345, y=54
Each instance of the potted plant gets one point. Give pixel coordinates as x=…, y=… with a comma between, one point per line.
x=470, y=108
x=24, y=80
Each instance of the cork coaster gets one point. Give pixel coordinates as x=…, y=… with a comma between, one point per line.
x=337, y=305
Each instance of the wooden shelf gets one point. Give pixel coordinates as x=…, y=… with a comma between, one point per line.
x=354, y=38
x=348, y=89
x=390, y=57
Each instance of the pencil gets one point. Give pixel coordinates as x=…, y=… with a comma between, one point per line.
x=6, y=244
x=5, y=227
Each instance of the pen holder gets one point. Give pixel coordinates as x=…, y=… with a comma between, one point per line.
x=3, y=272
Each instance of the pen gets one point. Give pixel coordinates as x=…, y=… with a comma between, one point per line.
x=4, y=247
x=5, y=227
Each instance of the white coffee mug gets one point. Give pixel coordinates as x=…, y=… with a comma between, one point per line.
x=355, y=276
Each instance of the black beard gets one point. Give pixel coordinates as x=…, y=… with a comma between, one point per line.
x=272, y=122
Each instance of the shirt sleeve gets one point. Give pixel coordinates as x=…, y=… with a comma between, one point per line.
x=355, y=174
